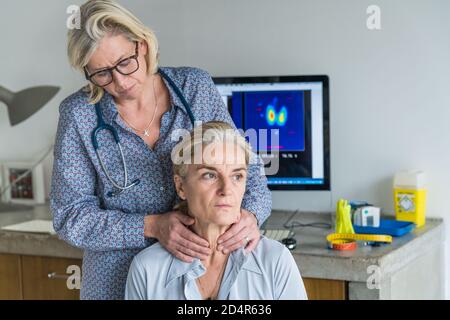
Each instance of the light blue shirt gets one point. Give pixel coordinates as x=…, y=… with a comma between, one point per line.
x=267, y=273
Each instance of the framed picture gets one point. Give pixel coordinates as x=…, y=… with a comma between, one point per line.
x=30, y=189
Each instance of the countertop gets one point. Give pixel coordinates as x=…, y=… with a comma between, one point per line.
x=312, y=255
x=315, y=260
x=35, y=244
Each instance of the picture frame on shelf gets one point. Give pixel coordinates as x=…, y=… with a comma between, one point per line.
x=29, y=190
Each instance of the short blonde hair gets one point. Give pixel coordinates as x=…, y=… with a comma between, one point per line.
x=100, y=18
x=211, y=132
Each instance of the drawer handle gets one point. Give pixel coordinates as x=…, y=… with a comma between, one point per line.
x=54, y=275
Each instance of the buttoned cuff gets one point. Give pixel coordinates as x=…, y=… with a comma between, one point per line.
x=134, y=231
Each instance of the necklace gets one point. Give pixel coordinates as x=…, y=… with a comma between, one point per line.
x=146, y=130
x=217, y=285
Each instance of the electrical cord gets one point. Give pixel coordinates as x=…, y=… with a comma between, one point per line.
x=297, y=224
x=290, y=241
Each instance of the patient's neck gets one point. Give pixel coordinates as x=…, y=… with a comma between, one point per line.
x=211, y=232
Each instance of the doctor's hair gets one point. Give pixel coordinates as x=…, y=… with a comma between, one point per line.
x=100, y=18
x=184, y=153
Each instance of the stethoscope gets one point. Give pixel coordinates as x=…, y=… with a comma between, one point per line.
x=102, y=125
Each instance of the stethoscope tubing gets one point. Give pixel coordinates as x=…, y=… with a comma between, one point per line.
x=101, y=125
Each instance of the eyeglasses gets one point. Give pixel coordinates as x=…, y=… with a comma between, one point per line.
x=125, y=67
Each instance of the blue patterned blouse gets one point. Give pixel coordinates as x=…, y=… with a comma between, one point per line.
x=111, y=230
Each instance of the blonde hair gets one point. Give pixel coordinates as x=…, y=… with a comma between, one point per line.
x=209, y=133
x=100, y=18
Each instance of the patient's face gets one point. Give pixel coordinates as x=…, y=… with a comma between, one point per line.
x=215, y=188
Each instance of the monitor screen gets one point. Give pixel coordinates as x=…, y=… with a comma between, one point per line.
x=286, y=120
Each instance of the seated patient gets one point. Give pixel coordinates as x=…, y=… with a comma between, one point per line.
x=212, y=191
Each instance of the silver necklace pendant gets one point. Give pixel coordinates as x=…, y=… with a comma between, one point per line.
x=146, y=133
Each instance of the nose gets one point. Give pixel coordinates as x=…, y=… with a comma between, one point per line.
x=119, y=79
x=225, y=187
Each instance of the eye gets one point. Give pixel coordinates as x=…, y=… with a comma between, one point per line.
x=238, y=177
x=124, y=63
x=102, y=74
x=209, y=175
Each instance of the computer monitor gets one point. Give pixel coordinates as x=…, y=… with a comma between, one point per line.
x=293, y=113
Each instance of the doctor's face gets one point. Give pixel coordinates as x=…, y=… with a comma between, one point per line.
x=214, y=189
x=115, y=51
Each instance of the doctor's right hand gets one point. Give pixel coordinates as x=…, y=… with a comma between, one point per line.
x=171, y=231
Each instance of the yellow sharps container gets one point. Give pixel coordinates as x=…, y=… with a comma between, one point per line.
x=410, y=196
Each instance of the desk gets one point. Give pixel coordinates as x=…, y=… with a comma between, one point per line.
x=411, y=267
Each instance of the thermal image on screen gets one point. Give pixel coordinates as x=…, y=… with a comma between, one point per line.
x=273, y=117
x=282, y=110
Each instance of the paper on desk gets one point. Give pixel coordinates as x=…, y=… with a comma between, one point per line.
x=36, y=226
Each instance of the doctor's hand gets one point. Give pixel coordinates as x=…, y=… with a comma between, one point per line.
x=244, y=233
x=171, y=231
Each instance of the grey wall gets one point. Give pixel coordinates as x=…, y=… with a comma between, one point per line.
x=390, y=93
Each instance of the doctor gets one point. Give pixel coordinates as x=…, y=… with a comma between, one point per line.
x=117, y=199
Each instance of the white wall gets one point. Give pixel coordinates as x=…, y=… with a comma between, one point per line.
x=390, y=93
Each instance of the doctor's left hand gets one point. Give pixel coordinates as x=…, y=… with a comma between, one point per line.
x=244, y=233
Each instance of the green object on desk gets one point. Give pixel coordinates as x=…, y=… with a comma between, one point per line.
x=343, y=217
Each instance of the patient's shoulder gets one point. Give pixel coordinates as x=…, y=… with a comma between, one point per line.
x=270, y=251
x=267, y=245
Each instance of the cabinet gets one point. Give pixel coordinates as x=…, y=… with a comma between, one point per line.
x=10, y=280
x=46, y=278
x=324, y=289
x=36, y=278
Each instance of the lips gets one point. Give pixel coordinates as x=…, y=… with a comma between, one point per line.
x=126, y=90
x=224, y=205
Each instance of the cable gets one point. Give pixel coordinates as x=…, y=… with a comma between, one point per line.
x=296, y=224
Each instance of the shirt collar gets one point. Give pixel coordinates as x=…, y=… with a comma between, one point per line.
x=238, y=259
x=174, y=99
x=246, y=261
x=179, y=268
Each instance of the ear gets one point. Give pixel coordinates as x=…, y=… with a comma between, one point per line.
x=143, y=48
x=179, y=186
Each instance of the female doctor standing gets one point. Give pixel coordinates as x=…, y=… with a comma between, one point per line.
x=112, y=189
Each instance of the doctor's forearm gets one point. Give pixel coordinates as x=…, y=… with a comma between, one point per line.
x=150, y=223
x=91, y=228
x=258, y=200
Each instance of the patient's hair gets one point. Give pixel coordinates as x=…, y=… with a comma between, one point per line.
x=209, y=133
x=100, y=18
